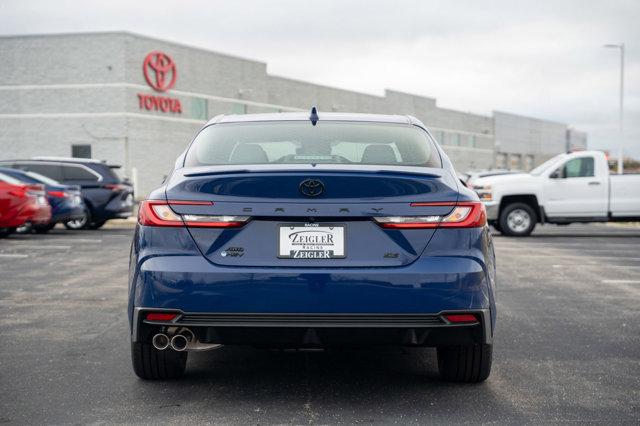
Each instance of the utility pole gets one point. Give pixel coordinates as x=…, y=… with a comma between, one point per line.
x=621, y=117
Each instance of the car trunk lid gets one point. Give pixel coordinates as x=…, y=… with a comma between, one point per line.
x=291, y=209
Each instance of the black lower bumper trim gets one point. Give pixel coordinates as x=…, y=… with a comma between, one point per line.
x=300, y=330
x=310, y=320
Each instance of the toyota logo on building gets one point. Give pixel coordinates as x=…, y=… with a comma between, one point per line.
x=311, y=187
x=159, y=71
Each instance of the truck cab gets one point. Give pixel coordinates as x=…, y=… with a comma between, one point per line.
x=568, y=188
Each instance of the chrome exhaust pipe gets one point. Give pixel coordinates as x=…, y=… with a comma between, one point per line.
x=183, y=340
x=179, y=342
x=160, y=341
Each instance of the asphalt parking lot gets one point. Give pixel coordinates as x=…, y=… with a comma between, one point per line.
x=567, y=346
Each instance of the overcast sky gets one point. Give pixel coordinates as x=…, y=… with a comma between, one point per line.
x=539, y=58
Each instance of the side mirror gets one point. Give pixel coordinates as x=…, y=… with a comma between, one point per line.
x=555, y=174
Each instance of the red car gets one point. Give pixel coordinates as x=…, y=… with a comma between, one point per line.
x=21, y=203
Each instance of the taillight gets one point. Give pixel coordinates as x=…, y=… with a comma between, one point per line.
x=463, y=215
x=116, y=186
x=160, y=213
x=58, y=194
x=461, y=318
x=35, y=190
x=398, y=222
x=161, y=316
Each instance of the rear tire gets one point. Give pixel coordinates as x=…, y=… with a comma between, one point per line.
x=24, y=229
x=465, y=364
x=43, y=229
x=97, y=224
x=82, y=223
x=152, y=364
x=517, y=220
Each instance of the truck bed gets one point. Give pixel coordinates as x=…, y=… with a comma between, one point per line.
x=624, y=198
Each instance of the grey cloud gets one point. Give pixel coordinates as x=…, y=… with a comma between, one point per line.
x=540, y=58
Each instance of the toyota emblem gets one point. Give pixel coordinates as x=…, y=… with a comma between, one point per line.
x=159, y=71
x=311, y=187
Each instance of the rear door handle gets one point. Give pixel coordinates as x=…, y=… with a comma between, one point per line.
x=594, y=183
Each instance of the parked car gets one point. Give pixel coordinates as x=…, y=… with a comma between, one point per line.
x=105, y=195
x=568, y=188
x=21, y=203
x=290, y=230
x=65, y=200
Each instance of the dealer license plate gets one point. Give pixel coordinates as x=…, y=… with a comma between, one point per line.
x=311, y=241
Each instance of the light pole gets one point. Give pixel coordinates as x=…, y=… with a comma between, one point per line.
x=621, y=118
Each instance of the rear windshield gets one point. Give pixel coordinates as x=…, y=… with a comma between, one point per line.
x=298, y=142
x=9, y=179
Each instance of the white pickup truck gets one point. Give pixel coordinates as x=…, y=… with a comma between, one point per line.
x=568, y=188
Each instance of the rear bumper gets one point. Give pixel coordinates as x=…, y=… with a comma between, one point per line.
x=66, y=214
x=41, y=215
x=400, y=305
x=428, y=285
x=493, y=210
x=299, y=330
x=119, y=207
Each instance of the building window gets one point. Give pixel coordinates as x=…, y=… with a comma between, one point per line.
x=238, y=109
x=472, y=141
x=441, y=137
x=199, y=109
x=455, y=139
x=81, y=151
x=528, y=162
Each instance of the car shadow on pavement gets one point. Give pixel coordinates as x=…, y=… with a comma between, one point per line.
x=369, y=384
x=333, y=365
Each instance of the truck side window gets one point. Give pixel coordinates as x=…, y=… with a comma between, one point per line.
x=579, y=167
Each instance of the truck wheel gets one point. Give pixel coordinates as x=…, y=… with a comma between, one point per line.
x=467, y=364
x=517, y=220
x=152, y=364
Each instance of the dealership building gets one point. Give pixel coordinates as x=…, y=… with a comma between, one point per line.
x=138, y=101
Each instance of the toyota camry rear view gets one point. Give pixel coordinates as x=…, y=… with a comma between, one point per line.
x=311, y=231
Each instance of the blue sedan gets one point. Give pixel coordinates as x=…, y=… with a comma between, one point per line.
x=65, y=200
x=312, y=230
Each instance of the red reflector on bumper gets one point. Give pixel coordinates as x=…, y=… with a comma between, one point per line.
x=160, y=316
x=461, y=318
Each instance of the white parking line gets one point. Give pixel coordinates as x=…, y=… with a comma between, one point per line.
x=590, y=243
x=585, y=256
x=75, y=240
x=25, y=247
x=55, y=240
x=621, y=281
x=13, y=256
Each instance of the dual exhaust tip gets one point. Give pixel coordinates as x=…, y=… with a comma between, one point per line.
x=179, y=342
